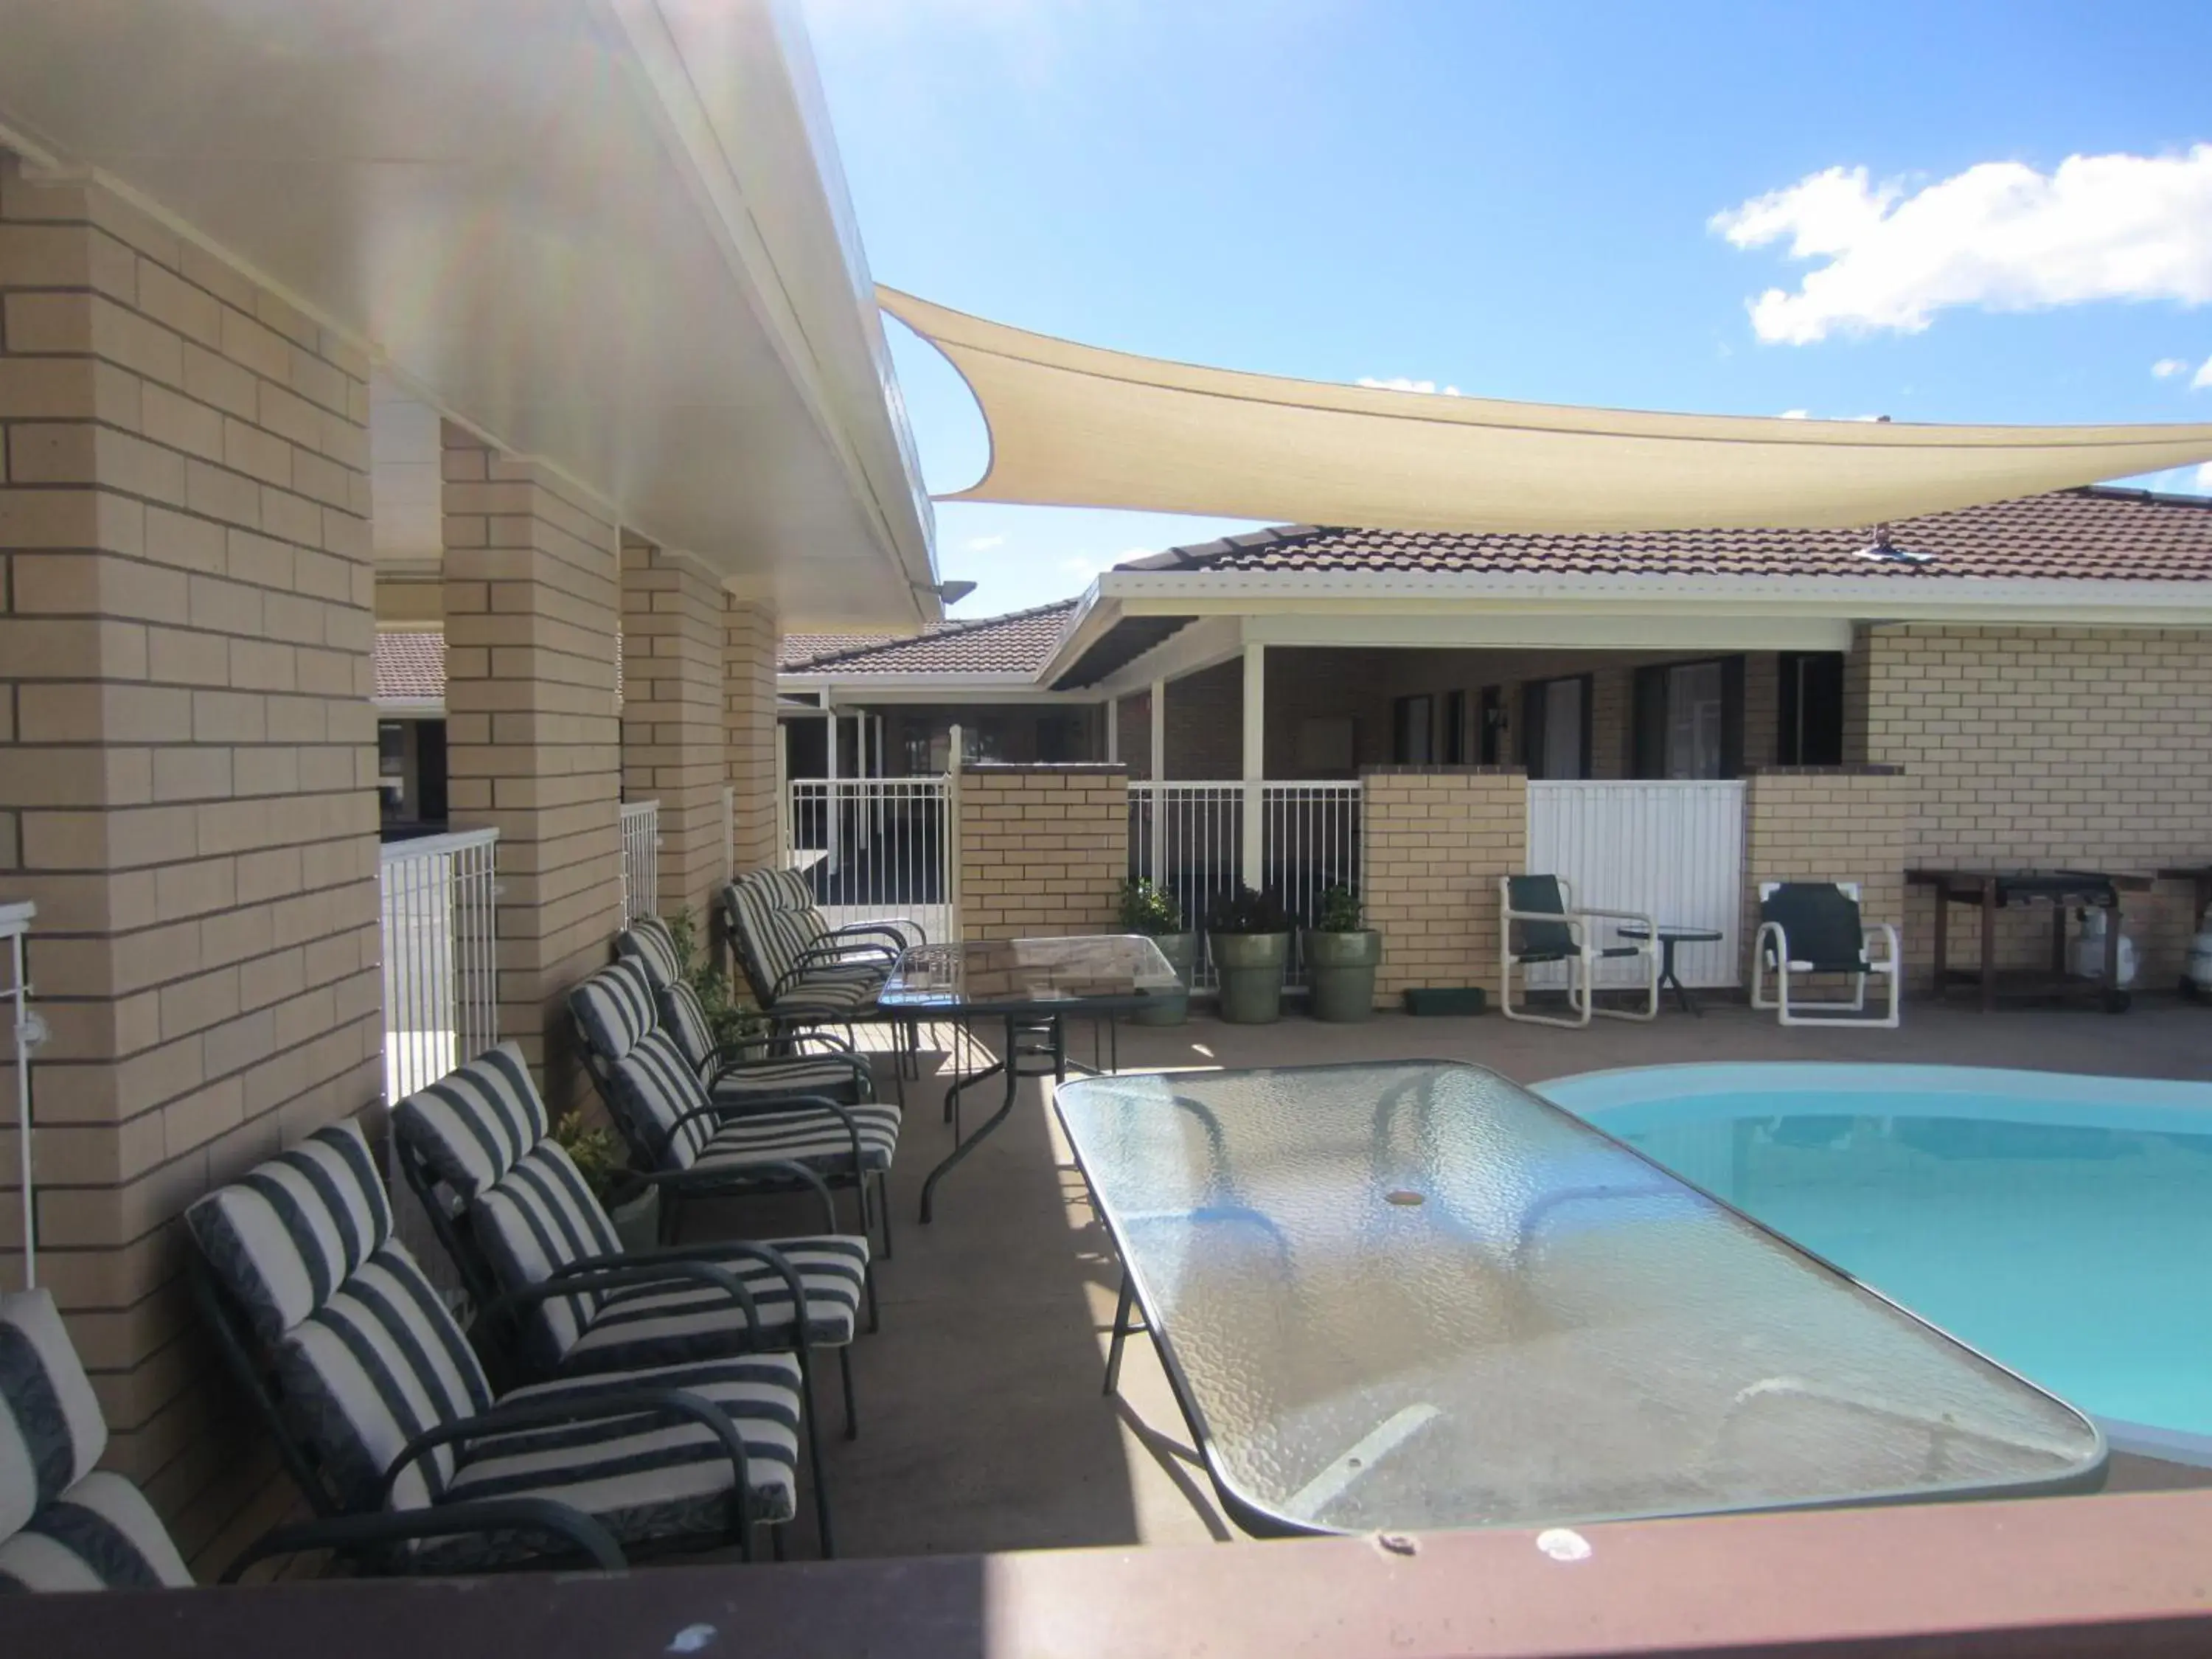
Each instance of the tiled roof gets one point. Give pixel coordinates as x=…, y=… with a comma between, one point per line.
x=1016, y=643
x=411, y=667
x=2088, y=533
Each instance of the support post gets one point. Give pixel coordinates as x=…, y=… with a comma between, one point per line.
x=1157, y=703
x=829, y=812
x=1251, y=861
x=1113, y=730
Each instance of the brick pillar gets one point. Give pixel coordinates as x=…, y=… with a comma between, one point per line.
x=531, y=735
x=1043, y=850
x=188, y=772
x=671, y=716
x=749, y=730
x=1434, y=841
x=1828, y=824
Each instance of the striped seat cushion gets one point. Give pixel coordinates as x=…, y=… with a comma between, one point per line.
x=815, y=1139
x=472, y=1125
x=654, y=1324
x=644, y=1477
x=684, y=1018
x=65, y=1526
x=829, y=998
x=285, y=1237
x=648, y=941
x=101, y=1533
x=614, y=1008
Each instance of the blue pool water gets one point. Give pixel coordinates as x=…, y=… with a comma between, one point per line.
x=2061, y=1224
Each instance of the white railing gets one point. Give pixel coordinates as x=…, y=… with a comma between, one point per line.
x=440, y=955
x=874, y=847
x=29, y=1031
x=1188, y=837
x=1673, y=851
x=640, y=859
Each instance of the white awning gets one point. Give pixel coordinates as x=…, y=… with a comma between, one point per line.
x=1075, y=426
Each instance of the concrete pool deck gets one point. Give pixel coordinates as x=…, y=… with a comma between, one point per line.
x=983, y=1427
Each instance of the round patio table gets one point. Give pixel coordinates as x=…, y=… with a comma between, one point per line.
x=1670, y=937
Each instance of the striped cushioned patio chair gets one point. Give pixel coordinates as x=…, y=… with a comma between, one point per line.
x=64, y=1524
x=789, y=891
x=648, y=940
x=792, y=980
x=380, y=1405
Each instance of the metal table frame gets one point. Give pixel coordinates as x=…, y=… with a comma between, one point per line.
x=1258, y=1521
x=1992, y=890
x=1668, y=939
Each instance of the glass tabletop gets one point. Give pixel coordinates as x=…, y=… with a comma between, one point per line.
x=1685, y=933
x=1093, y=973
x=1414, y=1294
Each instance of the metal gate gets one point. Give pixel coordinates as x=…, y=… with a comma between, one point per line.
x=874, y=847
x=1674, y=850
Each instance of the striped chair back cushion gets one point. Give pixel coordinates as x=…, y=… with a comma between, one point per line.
x=649, y=942
x=792, y=900
x=752, y=920
x=654, y=1087
x=541, y=1216
x=614, y=1009
x=51, y=1432
x=737, y=912
x=684, y=1017
x=65, y=1526
x=378, y=1362
x=472, y=1125
x=287, y=1237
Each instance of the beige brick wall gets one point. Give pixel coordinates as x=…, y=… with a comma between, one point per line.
x=2048, y=746
x=1827, y=823
x=187, y=766
x=532, y=737
x=1043, y=850
x=673, y=746
x=1435, y=841
x=749, y=737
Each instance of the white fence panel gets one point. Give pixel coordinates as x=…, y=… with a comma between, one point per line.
x=441, y=941
x=1672, y=850
x=874, y=848
x=640, y=859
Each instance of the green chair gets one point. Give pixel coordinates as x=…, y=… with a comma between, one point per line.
x=1539, y=924
x=1815, y=927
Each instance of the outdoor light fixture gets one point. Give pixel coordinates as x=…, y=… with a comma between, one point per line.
x=949, y=593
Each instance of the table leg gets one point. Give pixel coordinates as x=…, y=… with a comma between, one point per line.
x=1668, y=976
x=1010, y=1068
x=1120, y=1333
x=1989, y=945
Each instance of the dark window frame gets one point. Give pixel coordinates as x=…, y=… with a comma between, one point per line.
x=1813, y=737
x=1535, y=694
x=1649, y=715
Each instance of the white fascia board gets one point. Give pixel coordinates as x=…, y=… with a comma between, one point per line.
x=1887, y=598
x=1495, y=630
x=873, y=689
x=1206, y=643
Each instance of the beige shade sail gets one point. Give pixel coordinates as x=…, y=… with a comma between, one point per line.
x=1076, y=426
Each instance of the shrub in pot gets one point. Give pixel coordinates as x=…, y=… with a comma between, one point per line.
x=1249, y=934
x=1341, y=957
x=1153, y=912
x=633, y=1207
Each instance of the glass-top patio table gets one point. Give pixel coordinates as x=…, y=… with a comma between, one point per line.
x=1414, y=1294
x=1027, y=983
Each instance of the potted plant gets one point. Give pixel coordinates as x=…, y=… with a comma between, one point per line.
x=1249, y=934
x=597, y=1156
x=1341, y=958
x=1152, y=911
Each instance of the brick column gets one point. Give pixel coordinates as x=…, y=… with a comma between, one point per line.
x=1434, y=841
x=672, y=717
x=1827, y=823
x=532, y=740
x=749, y=729
x=1043, y=850
x=187, y=775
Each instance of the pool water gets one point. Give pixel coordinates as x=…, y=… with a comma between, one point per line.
x=2062, y=1225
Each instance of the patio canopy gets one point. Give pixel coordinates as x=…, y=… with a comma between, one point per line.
x=1075, y=426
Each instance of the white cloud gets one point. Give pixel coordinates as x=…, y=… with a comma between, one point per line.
x=2000, y=236
x=1807, y=415
x=985, y=544
x=2167, y=368
x=1796, y=415
x=2203, y=377
x=1400, y=383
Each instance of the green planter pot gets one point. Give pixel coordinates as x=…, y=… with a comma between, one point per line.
x=1182, y=951
x=637, y=1220
x=1251, y=968
x=1340, y=969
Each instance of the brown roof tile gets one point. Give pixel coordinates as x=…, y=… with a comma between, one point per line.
x=2089, y=533
x=1016, y=643
x=411, y=667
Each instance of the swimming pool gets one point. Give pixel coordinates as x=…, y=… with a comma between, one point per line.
x=2062, y=1225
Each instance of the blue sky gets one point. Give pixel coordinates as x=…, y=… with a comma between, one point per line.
x=1962, y=212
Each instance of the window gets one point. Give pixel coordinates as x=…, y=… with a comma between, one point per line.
x=1555, y=722
x=1453, y=749
x=1490, y=746
x=1058, y=739
x=1811, y=724
x=1689, y=719
x=1414, y=726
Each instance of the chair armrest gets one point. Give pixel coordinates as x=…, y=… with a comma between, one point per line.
x=545, y=1515
x=616, y=1273
x=795, y=983
x=849, y=1062
x=707, y=1179
x=674, y=1404
x=835, y=952
x=1638, y=916
x=741, y=1054
x=1570, y=920
x=1888, y=932
x=903, y=930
